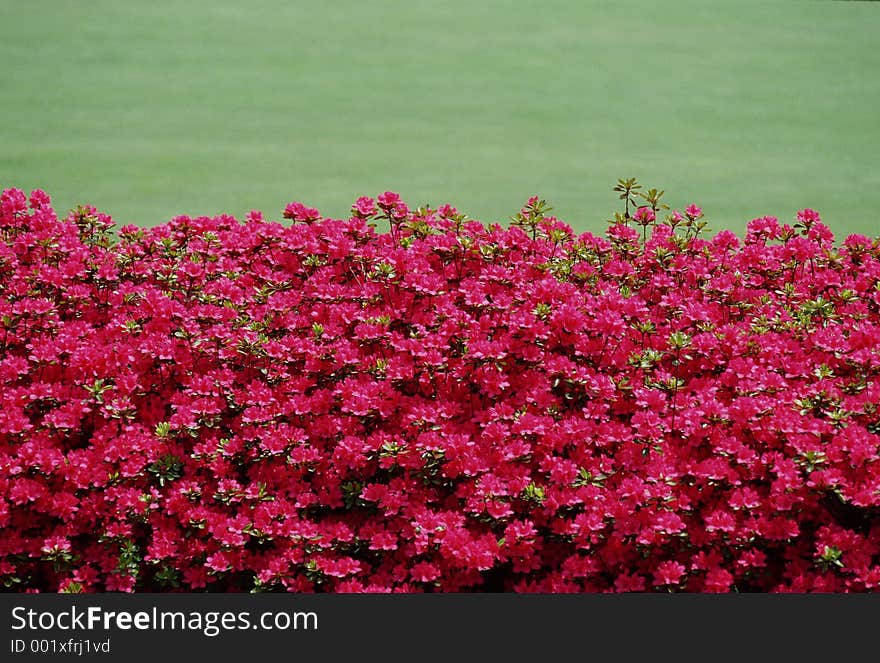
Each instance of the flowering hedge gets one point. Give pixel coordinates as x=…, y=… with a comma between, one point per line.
x=315, y=405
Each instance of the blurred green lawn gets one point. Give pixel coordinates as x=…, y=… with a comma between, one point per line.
x=151, y=109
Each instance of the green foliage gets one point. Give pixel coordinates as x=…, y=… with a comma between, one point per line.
x=166, y=469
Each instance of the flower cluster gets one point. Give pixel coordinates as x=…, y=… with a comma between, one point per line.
x=318, y=406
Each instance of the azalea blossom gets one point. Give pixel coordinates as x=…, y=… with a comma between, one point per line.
x=318, y=405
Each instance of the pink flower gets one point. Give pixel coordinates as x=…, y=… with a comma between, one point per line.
x=693, y=212
x=644, y=215
x=627, y=582
x=339, y=568
x=298, y=212
x=388, y=200
x=718, y=580
x=808, y=217
x=424, y=572
x=55, y=544
x=668, y=573
x=364, y=207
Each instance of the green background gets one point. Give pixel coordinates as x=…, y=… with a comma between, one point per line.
x=151, y=109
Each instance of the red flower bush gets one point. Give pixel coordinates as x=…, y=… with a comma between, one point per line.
x=230, y=406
